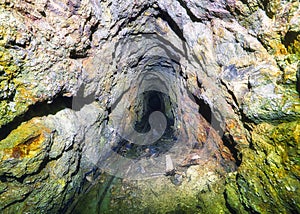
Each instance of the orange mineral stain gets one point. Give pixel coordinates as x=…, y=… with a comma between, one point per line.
x=24, y=142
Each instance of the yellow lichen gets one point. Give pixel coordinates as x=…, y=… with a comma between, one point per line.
x=7, y=65
x=25, y=141
x=25, y=96
x=19, y=95
x=278, y=48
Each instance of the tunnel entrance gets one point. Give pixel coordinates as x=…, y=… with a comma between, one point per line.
x=154, y=102
x=147, y=103
x=150, y=101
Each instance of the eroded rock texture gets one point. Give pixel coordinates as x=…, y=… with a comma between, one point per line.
x=81, y=79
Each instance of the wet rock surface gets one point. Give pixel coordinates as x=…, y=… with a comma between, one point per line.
x=149, y=106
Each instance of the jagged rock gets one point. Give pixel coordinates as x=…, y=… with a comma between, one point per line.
x=80, y=79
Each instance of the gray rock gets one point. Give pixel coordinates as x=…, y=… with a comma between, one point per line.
x=78, y=79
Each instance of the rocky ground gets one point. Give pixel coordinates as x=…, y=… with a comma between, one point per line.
x=77, y=75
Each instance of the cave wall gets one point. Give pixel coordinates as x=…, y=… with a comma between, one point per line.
x=71, y=69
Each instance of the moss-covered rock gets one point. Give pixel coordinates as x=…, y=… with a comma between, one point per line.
x=267, y=180
x=25, y=149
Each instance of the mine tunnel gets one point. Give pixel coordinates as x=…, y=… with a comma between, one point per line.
x=169, y=106
x=147, y=103
x=153, y=101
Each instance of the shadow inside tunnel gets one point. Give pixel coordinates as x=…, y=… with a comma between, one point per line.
x=151, y=101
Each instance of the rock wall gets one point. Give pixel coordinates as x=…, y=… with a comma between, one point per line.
x=76, y=74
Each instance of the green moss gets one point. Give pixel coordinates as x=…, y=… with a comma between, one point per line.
x=267, y=178
x=232, y=195
x=212, y=201
x=156, y=195
x=15, y=192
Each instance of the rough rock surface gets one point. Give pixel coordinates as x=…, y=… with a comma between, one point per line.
x=72, y=71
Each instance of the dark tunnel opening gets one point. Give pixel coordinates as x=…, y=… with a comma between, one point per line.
x=147, y=103
x=154, y=102
x=151, y=101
